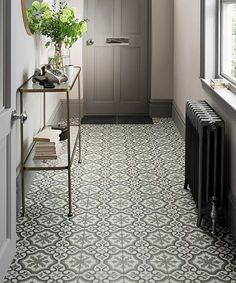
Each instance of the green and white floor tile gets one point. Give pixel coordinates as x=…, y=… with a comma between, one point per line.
x=132, y=220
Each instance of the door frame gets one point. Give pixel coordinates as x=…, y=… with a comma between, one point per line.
x=149, y=56
x=7, y=55
x=8, y=249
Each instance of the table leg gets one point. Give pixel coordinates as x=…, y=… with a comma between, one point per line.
x=69, y=192
x=79, y=120
x=22, y=158
x=69, y=154
x=44, y=110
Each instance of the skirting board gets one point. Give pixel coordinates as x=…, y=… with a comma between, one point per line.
x=56, y=115
x=178, y=120
x=157, y=108
x=74, y=106
x=160, y=108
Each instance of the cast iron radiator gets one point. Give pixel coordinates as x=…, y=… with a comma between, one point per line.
x=204, y=159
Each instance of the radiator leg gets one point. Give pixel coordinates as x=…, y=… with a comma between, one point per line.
x=199, y=189
x=213, y=214
x=199, y=220
x=186, y=185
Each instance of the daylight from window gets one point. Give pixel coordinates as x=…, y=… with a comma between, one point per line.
x=234, y=40
x=228, y=40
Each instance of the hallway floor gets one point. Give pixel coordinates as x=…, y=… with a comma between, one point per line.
x=132, y=221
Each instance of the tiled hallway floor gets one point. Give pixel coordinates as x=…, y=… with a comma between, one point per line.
x=133, y=221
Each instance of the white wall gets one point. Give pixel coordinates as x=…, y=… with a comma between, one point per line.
x=186, y=52
x=162, y=49
x=187, y=85
x=28, y=54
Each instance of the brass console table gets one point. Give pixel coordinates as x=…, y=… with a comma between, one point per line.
x=64, y=161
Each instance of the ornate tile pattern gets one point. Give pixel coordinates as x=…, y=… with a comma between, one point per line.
x=132, y=222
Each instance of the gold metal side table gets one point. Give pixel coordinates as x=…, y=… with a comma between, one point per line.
x=64, y=161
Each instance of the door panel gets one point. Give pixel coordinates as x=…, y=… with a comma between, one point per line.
x=3, y=198
x=130, y=74
x=7, y=192
x=130, y=24
x=7, y=146
x=104, y=75
x=104, y=16
x=134, y=66
x=99, y=59
x=116, y=74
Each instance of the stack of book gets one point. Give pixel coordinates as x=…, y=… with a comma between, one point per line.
x=47, y=144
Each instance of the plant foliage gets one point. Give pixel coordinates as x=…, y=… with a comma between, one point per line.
x=57, y=22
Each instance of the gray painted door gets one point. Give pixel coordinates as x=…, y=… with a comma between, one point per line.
x=116, y=73
x=7, y=146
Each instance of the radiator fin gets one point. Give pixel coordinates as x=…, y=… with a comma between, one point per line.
x=204, y=158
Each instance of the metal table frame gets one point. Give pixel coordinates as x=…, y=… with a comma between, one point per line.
x=29, y=87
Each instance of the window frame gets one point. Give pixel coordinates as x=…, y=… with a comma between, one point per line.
x=209, y=52
x=219, y=45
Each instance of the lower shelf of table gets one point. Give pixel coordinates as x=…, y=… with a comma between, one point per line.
x=62, y=160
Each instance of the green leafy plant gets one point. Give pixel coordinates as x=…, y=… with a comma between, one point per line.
x=60, y=24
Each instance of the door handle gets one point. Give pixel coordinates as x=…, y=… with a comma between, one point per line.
x=22, y=117
x=90, y=42
x=117, y=40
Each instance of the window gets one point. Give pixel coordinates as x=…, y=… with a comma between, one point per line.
x=218, y=47
x=228, y=40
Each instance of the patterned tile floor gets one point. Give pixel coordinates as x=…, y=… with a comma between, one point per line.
x=132, y=222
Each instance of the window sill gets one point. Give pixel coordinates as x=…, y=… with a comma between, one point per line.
x=228, y=96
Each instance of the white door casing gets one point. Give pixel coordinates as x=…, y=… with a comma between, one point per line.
x=7, y=145
x=116, y=75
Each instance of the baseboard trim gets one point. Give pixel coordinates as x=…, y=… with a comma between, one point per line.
x=74, y=106
x=178, y=120
x=56, y=115
x=160, y=108
x=232, y=214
